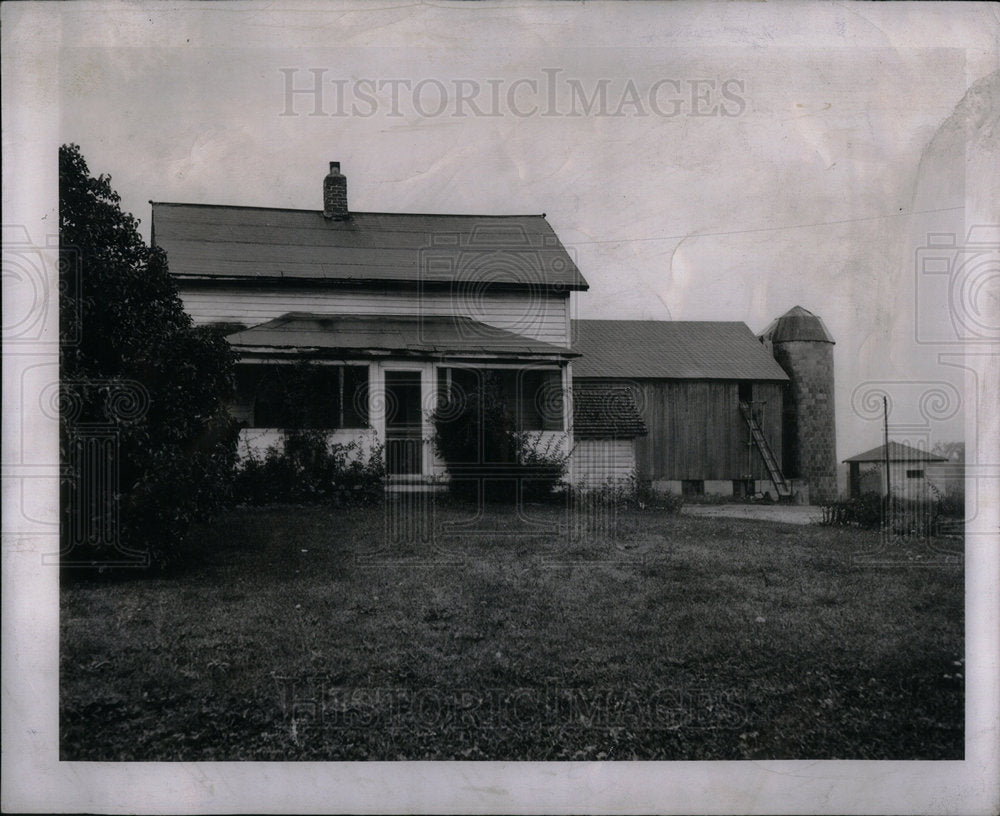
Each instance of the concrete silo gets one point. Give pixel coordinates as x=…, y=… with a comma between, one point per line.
x=803, y=347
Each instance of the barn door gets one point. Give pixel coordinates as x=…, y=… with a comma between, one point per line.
x=403, y=423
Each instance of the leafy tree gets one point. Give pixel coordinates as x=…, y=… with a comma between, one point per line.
x=136, y=373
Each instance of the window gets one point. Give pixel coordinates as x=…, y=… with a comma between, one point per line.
x=354, y=397
x=914, y=474
x=541, y=401
x=692, y=487
x=304, y=396
x=745, y=392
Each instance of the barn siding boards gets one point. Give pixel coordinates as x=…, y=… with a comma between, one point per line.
x=537, y=315
x=696, y=430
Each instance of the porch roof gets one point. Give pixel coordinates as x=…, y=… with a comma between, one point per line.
x=382, y=335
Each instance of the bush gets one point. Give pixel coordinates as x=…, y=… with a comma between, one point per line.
x=902, y=516
x=952, y=503
x=649, y=499
x=310, y=469
x=865, y=511
x=627, y=493
x=487, y=456
x=146, y=439
x=542, y=465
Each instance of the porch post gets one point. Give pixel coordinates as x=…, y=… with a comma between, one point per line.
x=376, y=403
x=567, y=388
x=428, y=400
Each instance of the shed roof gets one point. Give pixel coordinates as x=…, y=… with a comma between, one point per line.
x=898, y=452
x=402, y=334
x=668, y=349
x=797, y=324
x=210, y=242
x=603, y=413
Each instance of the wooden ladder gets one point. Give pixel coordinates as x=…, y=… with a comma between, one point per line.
x=757, y=435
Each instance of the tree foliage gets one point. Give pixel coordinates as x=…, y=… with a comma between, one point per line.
x=136, y=373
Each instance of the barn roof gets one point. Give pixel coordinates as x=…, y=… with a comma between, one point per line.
x=603, y=413
x=898, y=452
x=208, y=242
x=668, y=349
x=409, y=334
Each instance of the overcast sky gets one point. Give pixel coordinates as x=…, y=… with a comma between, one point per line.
x=743, y=159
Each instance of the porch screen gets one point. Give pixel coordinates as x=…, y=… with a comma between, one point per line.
x=533, y=397
x=298, y=396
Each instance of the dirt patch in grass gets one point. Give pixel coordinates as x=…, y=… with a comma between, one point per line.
x=369, y=633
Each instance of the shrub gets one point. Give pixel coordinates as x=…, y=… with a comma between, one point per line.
x=145, y=436
x=647, y=498
x=901, y=516
x=629, y=492
x=487, y=456
x=865, y=511
x=952, y=503
x=308, y=468
x=542, y=464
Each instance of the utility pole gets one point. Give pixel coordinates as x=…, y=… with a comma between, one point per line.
x=888, y=477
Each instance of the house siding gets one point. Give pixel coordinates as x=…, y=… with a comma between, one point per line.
x=937, y=480
x=541, y=316
x=599, y=462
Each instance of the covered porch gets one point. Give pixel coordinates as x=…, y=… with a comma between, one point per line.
x=376, y=380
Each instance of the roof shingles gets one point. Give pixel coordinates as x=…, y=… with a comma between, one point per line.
x=250, y=243
x=408, y=334
x=603, y=413
x=898, y=452
x=668, y=349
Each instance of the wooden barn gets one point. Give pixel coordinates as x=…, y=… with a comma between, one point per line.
x=709, y=394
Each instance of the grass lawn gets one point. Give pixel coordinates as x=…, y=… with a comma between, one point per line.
x=678, y=638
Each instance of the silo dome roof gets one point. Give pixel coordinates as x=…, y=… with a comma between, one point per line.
x=797, y=324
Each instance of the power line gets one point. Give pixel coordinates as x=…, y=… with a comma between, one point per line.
x=767, y=229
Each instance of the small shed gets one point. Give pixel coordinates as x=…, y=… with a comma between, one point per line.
x=606, y=423
x=911, y=471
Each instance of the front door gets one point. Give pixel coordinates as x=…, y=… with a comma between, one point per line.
x=403, y=423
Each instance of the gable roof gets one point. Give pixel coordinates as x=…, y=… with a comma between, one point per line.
x=602, y=413
x=669, y=349
x=378, y=334
x=209, y=242
x=898, y=452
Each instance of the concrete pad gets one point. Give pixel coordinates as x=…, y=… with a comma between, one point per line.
x=785, y=513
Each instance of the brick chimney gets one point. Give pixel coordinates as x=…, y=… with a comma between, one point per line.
x=335, y=194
